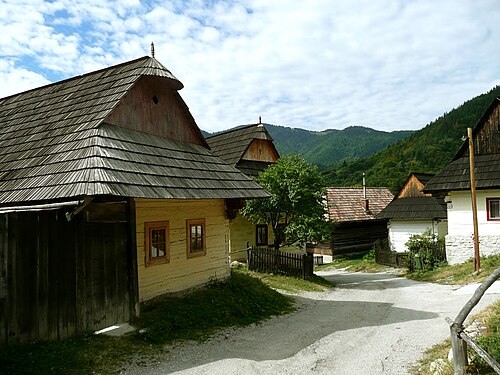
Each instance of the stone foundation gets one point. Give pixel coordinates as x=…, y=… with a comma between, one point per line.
x=461, y=248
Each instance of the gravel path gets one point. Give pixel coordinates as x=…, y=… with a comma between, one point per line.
x=368, y=324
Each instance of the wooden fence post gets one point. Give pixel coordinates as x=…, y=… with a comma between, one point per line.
x=459, y=348
x=458, y=345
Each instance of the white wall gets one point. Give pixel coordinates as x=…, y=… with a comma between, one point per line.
x=401, y=230
x=459, y=243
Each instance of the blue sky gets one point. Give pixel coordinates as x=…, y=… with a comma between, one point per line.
x=314, y=64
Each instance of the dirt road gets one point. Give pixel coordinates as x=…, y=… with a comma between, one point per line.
x=369, y=324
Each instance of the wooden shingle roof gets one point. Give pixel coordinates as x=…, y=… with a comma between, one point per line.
x=347, y=204
x=414, y=208
x=486, y=138
x=231, y=145
x=54, y=145
x=456, y=175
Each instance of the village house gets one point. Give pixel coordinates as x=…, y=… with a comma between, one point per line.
x=250, y=149
x=109, y=196
x=453, y=184
x=354, y=212
x=412, y=212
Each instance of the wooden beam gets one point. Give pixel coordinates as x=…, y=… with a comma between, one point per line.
x=477, y=263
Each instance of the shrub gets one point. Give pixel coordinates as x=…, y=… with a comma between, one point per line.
x=429, y=247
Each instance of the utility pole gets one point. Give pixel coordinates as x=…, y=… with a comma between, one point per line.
x=477, y=263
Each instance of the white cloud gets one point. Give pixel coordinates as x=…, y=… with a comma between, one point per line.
x=314, y=64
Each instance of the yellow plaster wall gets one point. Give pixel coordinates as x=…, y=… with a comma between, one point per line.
x=182, y=273
x=242, y=232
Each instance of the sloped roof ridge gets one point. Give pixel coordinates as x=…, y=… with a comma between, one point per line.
x=153, y=63
x=358, y=188
x=236, y=128
x=476, y=127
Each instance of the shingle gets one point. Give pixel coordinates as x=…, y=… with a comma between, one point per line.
x=54, y=145
x=231, y=145
x=456, y=175
x=414, y=208
x=347, y=204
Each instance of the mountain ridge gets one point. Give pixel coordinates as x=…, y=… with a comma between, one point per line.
x=427, y=150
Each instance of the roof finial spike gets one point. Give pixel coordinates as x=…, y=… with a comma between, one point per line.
x=260, y=119
x=152, y=50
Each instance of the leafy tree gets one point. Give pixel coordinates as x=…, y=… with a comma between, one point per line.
x=295, y=211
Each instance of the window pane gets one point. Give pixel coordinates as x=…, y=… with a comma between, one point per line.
x=495, y=209
x=196, y=237
x=158, y=242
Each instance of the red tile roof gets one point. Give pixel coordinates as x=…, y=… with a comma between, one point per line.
x=347, y=204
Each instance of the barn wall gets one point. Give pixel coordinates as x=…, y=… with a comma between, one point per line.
x=182, y=273
x=357, y=235
x=413, y=188
x=487, y=141
x=168, y=118
x=60, y=278
x=261, y=150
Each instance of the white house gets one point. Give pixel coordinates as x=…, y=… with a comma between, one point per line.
x=413, y=212
x=453, y=183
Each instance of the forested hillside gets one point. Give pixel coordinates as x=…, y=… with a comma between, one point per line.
x=331, y=147
x=427, y=150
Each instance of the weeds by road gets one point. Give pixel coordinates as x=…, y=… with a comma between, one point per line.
x=438, y=354
x=459, y=274
x=356, y=262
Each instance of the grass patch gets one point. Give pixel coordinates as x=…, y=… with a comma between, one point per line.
x=356, y=262
x=86, y=354
x=239, y=300
x=436, y=352
x=491, y=342
x=490, y=317
x=292, y=284
x=458, y=273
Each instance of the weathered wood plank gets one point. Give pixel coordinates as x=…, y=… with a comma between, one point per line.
x=54, y=281
x=12, y=236
x=137, y=111
x=3, y=278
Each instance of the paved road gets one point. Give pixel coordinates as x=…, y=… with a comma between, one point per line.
x=369, y=324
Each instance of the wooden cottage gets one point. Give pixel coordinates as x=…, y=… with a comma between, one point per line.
x=109, y=196
x=250, y=149
x=355, y=210
x=453, y=183
x=413, y=212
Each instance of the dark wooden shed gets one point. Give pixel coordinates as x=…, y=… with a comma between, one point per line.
x=354, y=212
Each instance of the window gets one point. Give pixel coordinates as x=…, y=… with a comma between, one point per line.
x=157, y=243
x=493, y=208
x=195, y=230
x=261, y=233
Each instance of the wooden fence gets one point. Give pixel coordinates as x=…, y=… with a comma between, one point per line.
x=460, y=339
x=269, y=260
x=384, y=255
